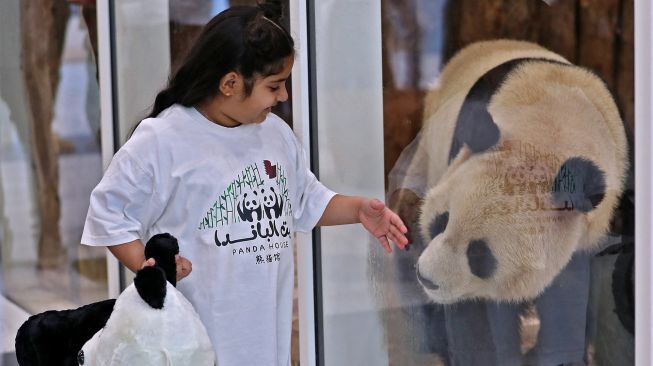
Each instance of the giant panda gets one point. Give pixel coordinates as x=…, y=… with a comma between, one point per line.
x=518, y=166
x=526, y=160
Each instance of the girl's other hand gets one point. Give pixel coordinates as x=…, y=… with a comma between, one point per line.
x=184, y=267
x=384, y=224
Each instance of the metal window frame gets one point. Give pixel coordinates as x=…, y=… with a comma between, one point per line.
x=304, y=125
x=643, y=180
x=109, y=123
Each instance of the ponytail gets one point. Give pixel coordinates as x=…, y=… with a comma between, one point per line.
x=163, y=101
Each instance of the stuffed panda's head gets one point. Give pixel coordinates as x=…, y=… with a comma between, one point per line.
x=152, y=323
x=501, y=226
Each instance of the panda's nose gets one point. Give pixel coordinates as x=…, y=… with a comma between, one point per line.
x=425, y=281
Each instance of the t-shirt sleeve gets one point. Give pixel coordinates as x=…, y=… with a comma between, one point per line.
x=313, y=196
x=122, y=206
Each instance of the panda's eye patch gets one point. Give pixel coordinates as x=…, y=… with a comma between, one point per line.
x=438, y=225
x=482, y=262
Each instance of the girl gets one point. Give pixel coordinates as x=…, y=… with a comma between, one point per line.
x=215, y=168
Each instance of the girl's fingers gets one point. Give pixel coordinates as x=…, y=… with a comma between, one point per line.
x=397, y=237
x=398, y=242
x=148, y=263
x=395, y=220
x=384, y=242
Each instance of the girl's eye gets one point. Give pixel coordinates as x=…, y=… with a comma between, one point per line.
x=274, y=88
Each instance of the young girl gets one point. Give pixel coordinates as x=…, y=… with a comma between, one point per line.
x=212, y=166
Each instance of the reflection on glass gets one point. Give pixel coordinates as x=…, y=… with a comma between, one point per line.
x=516, y=185
x=50, y=157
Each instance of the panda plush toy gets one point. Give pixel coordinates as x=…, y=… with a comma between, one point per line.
x=523, y=158
x=150, y=323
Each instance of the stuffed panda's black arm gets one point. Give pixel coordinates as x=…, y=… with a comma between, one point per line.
x=54, y=337
x=163, y=248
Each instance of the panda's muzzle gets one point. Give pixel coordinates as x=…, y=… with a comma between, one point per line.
x=425, y=281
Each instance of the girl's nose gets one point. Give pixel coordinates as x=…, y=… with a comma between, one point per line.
x=283, y=94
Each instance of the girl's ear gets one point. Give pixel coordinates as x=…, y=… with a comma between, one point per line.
x=231, y=83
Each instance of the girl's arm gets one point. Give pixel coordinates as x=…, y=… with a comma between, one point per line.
x=379, y=220
x=132, y=256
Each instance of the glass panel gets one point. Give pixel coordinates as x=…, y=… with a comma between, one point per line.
x=49, y=134
x=511, y=167
x=350, y=143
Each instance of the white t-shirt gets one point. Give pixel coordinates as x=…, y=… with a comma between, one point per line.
x=233, y=197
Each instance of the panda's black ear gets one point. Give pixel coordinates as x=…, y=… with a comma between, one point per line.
x=579, y=184
x=163, y=248
x=150, y=282
x=476, y=127
x=438, y=225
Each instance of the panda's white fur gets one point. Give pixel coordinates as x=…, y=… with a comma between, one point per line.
x=546, y=113
x=137, y=334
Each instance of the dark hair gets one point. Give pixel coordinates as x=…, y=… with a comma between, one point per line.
x=245, y=39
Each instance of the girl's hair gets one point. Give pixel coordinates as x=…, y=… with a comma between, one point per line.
x=245, y=39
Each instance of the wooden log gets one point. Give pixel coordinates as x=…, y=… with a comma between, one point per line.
x=387, y=36
x=596, y=38
x=625, y=72
x=597, y=34
x=402, y=120
x=557, y=28
x=469, y=21
x=43, y=25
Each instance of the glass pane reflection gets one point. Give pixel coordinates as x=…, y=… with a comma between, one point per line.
x=523, y=213
x=50, y=123
x=568, y=321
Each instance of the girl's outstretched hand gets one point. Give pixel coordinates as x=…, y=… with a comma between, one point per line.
x=384, y=224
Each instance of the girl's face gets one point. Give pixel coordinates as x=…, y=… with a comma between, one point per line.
x=266, y=93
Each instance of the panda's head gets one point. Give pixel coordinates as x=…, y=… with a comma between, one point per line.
x=500, y=225
x=251, y=201
x=152, y=323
